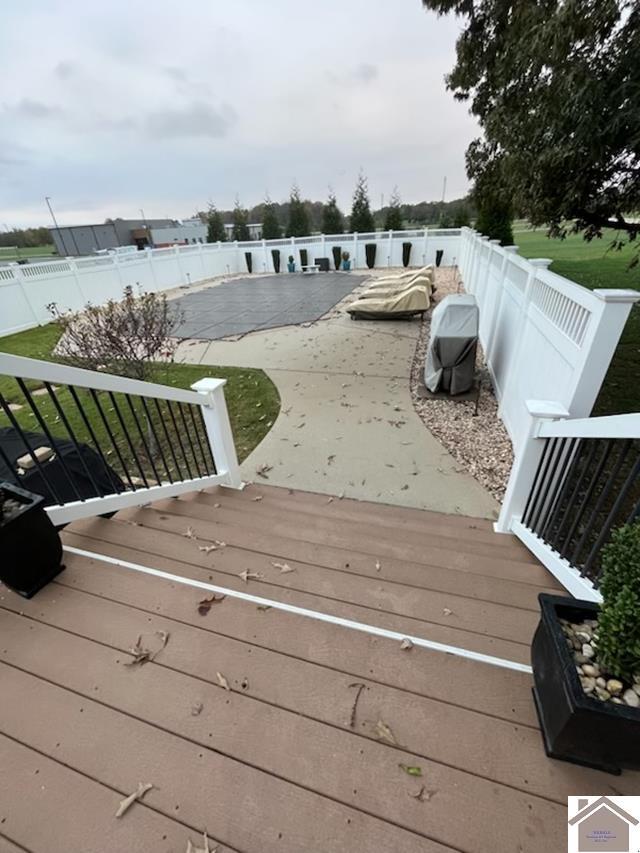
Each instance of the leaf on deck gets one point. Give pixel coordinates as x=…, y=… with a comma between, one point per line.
x=247, y=576
x=378, y=565
x=196, y=709
x=126, y=804
x=257, y=498
x=411, y=769
x=205, y=849
x=406, y=644
x=190, y=533
x=263, y=607
x=383, y=732
x=285, y=568
x=263, y=470
x=207, y=548
x=205, y=605
x=222, y=681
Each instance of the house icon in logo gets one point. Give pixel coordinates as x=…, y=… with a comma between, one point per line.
x=602, y=826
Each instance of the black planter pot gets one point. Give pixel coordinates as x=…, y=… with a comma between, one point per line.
x=249, y=259
x=30, y=547
x=406, y=254
x=439, y=254
x=575, y=727
x=336, y=251
x=370, y=254
x=275, y=256
x=303, y=258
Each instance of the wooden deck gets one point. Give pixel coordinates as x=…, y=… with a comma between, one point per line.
x=280, y=762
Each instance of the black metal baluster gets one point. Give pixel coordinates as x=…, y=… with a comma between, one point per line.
x=609, y=483
x=156, y=439
x=177, y=434
x=213, y=468
x=45, y=429
x=613, y=514
x=110, y=474
x=105, y=423
x=72, y=436
x=142, y=438
x=169, y=442
x=584, y=503
x=189, y=439
x=572, y=447
x=196, y=432
x=531, y=500
x=566, y=515
x=544, y=486
x=123, y=426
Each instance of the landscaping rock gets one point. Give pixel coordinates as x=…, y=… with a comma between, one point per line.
x=630, y=697
x=591, y=670
x=587, y=651
x=614, y=686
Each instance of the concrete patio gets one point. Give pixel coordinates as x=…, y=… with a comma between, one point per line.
x=347, y=424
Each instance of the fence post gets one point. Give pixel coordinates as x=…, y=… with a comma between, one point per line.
x=76, y=276
x=265, y=261
x=525, y=463
x=599, y=346
x=22, y=284
x=323, y=246
x=424, y=247
x=216, y=419
x=390, y=247
x=355, y=249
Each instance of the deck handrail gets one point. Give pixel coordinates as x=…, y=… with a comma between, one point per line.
x=111, y=441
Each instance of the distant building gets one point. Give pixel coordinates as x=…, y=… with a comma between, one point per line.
x=255, y=231
x=76, y=240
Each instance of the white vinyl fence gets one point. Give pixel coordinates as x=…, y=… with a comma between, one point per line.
x=71, y=283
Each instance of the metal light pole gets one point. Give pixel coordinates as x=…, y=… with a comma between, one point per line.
x=64, y=245
x=146, y=227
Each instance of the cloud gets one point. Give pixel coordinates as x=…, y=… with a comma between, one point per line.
x=364, y=73
x=197, y=119
x=32, y=109
x=65, y=69
x=185, y=85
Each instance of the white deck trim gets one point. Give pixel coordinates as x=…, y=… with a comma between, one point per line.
x=478, y=657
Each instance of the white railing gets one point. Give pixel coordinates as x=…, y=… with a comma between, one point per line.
x=71, y=283
x=544, y=337
x=190, y=453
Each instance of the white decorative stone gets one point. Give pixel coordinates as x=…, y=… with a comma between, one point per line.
x=614, y=686
x=630, y=697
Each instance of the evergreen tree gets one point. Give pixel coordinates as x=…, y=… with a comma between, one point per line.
x=495, y=214
x=393, y=219
x=361, y=219
x=332, y=219
x=270, y=225
x=298, y=218
x=462, y=217
x=215, y=226
x=240, y=221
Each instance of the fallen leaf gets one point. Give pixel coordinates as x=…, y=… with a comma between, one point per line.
x=205, y=849
x=216, y=506
x=263, y=470
x=378, y=566
x=207, y=548
x=383, y=732
x=411, y=769
x=220, y=543
x=330, y=458
x=263, y=607
x=222, y=681
x=204, y=606
x=446, y=611
x=257, y=498
x=330, y=501
x=284, y=568
x=244, y=684
x=190, y=534
x=247, y=576
x=340, y=496
x=126, y=804
x=143, y=655
x=406, y=644
x=196, y=709
x=423, y=795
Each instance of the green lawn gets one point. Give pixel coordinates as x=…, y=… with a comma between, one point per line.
x=252, y=398
x=7, y=254
x=595, y=265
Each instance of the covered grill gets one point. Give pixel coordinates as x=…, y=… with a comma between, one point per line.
x=451, y=356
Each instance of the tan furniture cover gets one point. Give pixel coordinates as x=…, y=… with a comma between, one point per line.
x=415, y=300
x=407, y=274
x=417, y=277
x=396, y=290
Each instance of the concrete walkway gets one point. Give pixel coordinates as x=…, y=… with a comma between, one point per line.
x=347, y=423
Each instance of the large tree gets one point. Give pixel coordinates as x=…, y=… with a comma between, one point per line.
x=361, y=218
x=270, y=225
x=393, y=218
x=215, y=226
x=298, y=218
x=240, y=219
x=332, y=219
x=555, y=85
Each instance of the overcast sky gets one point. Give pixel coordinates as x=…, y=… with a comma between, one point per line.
x=113, y=106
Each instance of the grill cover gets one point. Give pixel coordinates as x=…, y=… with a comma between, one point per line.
x=451, y=355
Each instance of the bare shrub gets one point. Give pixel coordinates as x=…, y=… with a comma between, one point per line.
x=123, y=337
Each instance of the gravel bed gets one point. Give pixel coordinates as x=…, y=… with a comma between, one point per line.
x=479, y=442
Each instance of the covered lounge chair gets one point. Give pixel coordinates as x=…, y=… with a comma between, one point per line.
x=400, y=306
x=419, y=277
x=396, y=290
x=406, y=275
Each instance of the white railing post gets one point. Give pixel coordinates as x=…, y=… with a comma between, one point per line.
x=526, y=462
x=22, y=284
x=323, y=245
x=265, y=261
x=425, y=243
x=216, y=419
x=600, y=344
x=390, y=248
x=355, y=250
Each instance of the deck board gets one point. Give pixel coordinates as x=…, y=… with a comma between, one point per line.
x=274, y=764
